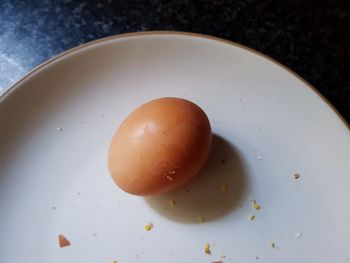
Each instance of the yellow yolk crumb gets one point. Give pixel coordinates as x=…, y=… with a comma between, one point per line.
x=148, y=227
x=251, y=217
x=255, y=205
x=201, y=218
x=207, y=249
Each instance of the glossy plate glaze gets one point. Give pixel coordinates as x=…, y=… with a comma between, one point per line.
x=269, y=125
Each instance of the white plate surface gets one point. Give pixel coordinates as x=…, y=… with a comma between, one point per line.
x=269, y=125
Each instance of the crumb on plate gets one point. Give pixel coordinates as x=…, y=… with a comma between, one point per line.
x=148, y=226
x=251, y=217
x=255, y=205
x=63, y=241
x=273, y=245
x=296, y=176
x=201, y=218
x=207, y=249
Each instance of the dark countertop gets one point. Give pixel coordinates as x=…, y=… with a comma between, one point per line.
x=313, y=39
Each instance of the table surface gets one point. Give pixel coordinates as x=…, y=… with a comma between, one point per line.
x=312, y=39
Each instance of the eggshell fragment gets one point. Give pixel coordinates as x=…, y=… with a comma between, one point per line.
x=63, y=241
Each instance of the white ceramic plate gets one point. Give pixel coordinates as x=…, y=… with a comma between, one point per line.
x=57, y=122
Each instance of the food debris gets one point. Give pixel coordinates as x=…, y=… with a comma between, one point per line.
x=94, y=234
x=296, y=176
x=256, y=257
x=148, y=226
x=201, y=218
x=298, y=235
x=224, y=188
x=217, y=262
x=255, y=205
x=63, y=241
x=207, y=249
x=59, y=129
x=172, y=172
x=251, y=217
x=222, y=257
x=113, y=261
x=273, y=245
x=54, y=207
x=172, y=202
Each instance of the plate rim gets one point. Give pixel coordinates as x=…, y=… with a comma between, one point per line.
x=18, y=83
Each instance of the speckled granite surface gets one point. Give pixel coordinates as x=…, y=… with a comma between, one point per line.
x=310, y=37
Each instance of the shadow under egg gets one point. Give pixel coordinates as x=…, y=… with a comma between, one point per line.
x=215, y=192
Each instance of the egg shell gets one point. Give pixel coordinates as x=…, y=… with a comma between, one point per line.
x=160, y=146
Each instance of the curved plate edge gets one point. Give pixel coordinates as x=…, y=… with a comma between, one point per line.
x=68, y=52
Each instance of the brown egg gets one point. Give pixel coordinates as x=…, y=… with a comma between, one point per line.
x=160, y=146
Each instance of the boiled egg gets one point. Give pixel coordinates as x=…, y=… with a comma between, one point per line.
x=160, y=146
